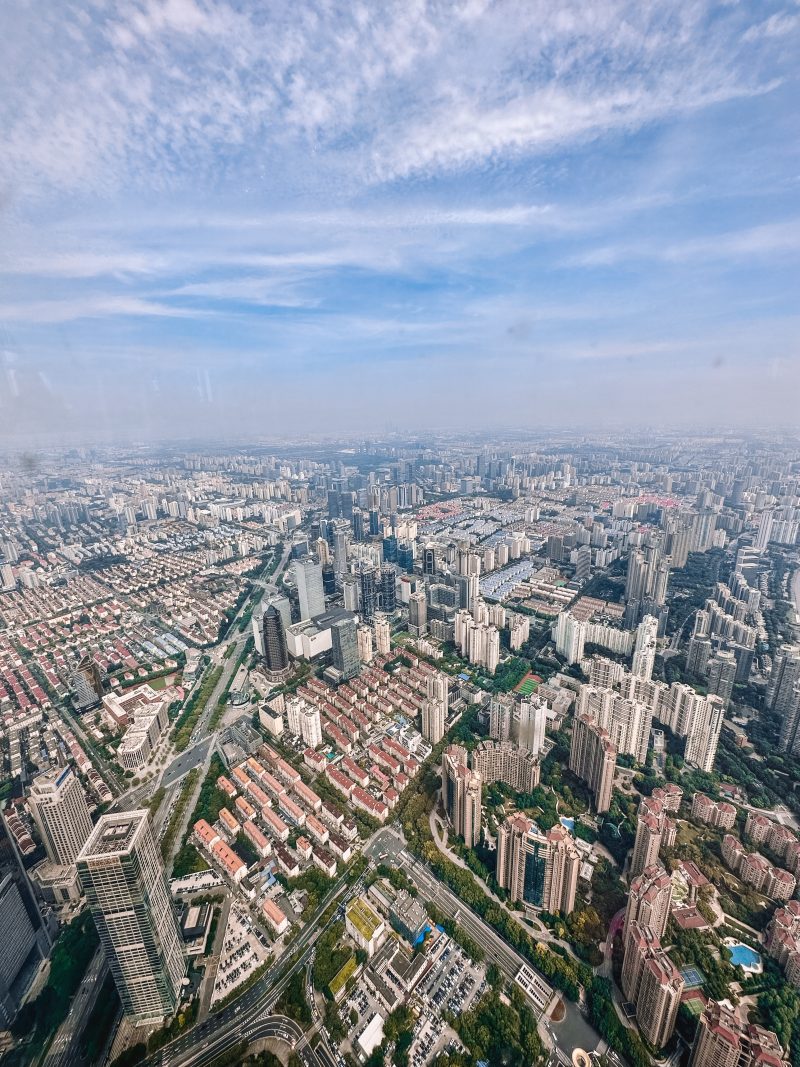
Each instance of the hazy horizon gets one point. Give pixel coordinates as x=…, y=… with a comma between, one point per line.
x=220, y=220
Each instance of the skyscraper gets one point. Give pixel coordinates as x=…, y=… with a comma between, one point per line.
x=433, y=720
x=646, y=584
x=276, y=654
x=351, y=592
x=383, y=634
x=722, y=1040
x=122, y=875
x=365, y=652
x=652, y=983
x=439, y=688
x=561, y=871
x=418, y=614
x=529, y=723
x=389, y=547
x=328, y=579
x=405, y=556
x=658, y=998
x=644, y=653
x=369, y=591
x=388, y=588
x=358, y=524
x=764, y=530
x=702, y=736
x=345, y=646
x=303, y=720
x=569, y=635
x=593, y=758
x=461, y=790
x=310, y=592
x=789, y=739
x=722, y=675
x=522, y=859
x=504, y=761
x=18, y=946
x=341, y=537
x=783, y=695
x=59, y=809
x=649, y=900
x=650, y=826
x=87, y=684
x=538, y=869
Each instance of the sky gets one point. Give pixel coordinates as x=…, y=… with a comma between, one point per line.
x=231, y=218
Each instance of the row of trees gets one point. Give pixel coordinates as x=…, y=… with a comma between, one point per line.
x=209, y=802
x=178, y=812
x=187, y=720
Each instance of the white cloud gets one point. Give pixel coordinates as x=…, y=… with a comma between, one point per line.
x=71, y=309
x=164, y=93
x=781, y=24
x=769, y=240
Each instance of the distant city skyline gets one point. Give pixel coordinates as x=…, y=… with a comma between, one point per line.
x=222, y=218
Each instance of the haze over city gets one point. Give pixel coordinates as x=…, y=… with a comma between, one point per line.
x=221, y=218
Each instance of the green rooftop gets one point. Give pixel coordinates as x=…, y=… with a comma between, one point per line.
x=339, y=980
x=363, y=918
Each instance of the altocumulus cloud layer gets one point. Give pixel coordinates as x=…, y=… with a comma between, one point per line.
x=226, y=217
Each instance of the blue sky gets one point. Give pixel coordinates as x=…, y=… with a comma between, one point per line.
x=230, y=217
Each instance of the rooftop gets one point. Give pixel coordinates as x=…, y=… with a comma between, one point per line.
x=114, y=834
x=363, y=918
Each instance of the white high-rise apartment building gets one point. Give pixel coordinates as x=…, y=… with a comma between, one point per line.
x=303, y=720
x=364, y=637
x=439, y=688
x=532, y=720
x=696, y=717
x=492, y=657
x=434, y=709
x=433, y=720
x=308, y=577
x=569, y=635
x=764, y=530
x=478, y=640
x=626, y=721
x=383, y=634
x=644, y=653
x=123, y=878
x=702, y=735
x=59, y=809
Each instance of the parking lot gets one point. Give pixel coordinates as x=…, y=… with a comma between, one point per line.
x=243, y=951
x=452, y=987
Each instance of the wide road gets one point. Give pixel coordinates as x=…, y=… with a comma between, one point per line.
x=186, y=761
x=63, y=1049
x=794, y=587
x=272, y=1026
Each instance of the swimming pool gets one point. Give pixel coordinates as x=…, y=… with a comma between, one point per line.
x=569, y=823
x=744, y=956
